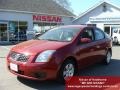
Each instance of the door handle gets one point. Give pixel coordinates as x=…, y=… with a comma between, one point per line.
x=97, y=46
x=91, y=50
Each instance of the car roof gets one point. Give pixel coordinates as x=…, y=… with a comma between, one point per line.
x=75, y=26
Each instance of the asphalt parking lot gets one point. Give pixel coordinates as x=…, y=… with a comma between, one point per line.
x=9, y=81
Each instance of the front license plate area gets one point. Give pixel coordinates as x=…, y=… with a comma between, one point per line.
x=14, y=67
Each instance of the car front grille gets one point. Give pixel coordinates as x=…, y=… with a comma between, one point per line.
x=18, y=57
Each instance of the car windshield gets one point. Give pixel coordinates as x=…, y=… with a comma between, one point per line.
x=60, y=34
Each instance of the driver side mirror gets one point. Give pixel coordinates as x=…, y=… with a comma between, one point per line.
x=85, y=40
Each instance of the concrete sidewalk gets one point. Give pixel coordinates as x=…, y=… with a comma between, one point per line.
x=4, y=50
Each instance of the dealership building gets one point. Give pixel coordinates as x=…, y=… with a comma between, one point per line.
x=104, y=15
x=21, y=19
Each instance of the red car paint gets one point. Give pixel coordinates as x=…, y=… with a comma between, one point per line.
x=84, y=55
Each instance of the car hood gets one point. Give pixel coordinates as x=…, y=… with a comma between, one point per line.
x=36, y=46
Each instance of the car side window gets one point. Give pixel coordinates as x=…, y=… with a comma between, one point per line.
x=88, y=33
x=99, y=34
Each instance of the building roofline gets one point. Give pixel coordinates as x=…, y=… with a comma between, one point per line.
x=95, y=6
x=28, y=12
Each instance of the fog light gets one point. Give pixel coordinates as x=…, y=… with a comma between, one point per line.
x=40, y=75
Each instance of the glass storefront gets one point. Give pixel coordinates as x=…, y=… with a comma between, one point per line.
x=41, y=27
x=17, y=30
x=13, y=31
x=3, y=32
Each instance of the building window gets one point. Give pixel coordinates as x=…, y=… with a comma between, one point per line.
x=93, y=25
x=41, y=27
x=13, y=30
x=3, y=32
x=22, y=30
x=17, y=30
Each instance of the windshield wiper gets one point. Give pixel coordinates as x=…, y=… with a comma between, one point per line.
x=51, y=40
x=36, y=38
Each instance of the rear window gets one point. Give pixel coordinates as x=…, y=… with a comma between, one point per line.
x=99, y=34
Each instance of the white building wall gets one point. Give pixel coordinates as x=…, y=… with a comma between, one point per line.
x=112, y=12
x=101, y=26
x=28, y=17
x=85, y=19
x=14, y=16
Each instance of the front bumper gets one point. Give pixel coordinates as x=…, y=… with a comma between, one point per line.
x=34, y=71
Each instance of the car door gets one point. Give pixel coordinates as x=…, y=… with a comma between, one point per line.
x=86, y=51
x=100, y=47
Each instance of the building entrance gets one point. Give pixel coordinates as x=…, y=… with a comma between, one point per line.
x=3, y=32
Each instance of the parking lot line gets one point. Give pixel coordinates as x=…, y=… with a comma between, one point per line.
x=5, y=47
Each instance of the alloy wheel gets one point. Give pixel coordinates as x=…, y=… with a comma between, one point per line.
x=108, y=57
x=68, y=71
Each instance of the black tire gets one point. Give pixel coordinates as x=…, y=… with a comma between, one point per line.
x=60, y=77
x=108, y=57
x=116, y=41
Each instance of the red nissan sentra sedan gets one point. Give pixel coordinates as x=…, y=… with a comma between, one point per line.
x=60, y=53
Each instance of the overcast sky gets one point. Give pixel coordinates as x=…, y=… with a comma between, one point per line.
x=80, y=6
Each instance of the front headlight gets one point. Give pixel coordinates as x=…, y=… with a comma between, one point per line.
x=44, y=56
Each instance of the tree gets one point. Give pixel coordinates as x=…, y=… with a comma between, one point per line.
x=64, y=3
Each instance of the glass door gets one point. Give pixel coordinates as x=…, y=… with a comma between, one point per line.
x=3, y=32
